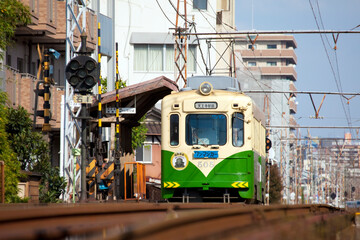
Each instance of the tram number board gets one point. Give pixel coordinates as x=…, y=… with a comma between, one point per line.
x=205, y=105
x=206, y=154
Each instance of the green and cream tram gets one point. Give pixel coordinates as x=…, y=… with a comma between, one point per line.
x=213, y=142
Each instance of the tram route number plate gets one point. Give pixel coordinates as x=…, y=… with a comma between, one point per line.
x=206, y=154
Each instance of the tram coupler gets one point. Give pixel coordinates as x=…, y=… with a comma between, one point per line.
x=226, y=198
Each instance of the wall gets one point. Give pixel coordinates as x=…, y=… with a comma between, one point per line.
x=153, y=20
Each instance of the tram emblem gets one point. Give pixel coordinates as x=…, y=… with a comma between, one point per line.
x=179, y=161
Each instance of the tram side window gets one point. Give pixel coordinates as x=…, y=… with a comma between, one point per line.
x=174, y=130
x=238, y=129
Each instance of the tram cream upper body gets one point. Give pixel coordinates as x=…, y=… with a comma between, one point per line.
x=228, y=102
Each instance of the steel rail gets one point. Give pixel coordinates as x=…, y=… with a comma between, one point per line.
x=214, y=224
x=63, y=220
x=142, y=220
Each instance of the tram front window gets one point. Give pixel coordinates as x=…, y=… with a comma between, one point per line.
x=206, y=129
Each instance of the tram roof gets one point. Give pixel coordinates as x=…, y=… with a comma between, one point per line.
x=218, y=82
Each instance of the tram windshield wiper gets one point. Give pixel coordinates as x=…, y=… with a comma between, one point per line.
x=214, y=146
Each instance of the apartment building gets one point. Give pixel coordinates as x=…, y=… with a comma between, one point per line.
x=267, y=63
x=146, y=43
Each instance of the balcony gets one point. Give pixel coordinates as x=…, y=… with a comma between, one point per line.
x=44, y=14
x=49, y=25
x=288, y=54
x=292, y=122
x=292, y=106
x=20, y=89
x=292, y=88
x=285, y=71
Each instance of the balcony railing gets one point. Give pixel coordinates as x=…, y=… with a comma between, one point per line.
x=270, y=53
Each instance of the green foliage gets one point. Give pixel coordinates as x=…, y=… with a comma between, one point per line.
x=275, y=184
x=33, y=153
x=12, y=166
x=103, y=84
x=12, y=14
x=121, y=83
x=27, y=144
x=52, y=185
x=139, y=134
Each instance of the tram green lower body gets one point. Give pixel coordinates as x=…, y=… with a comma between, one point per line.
x=237, y=173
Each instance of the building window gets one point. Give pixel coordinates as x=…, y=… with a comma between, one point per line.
x=252, y=64
x=200, y=4
x=32, y=70
x=159, y=58
x=51, y=12
x=8, y=60
x=144, y=154
x=191, y=58
x=32, y=5
x=148, y=57
x=20, y=65
x=271, y=63
x=271, y=46
x=250, y=46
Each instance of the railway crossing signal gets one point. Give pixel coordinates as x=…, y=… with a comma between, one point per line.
x=268, y=144
x=82, y=73
x=45, y=93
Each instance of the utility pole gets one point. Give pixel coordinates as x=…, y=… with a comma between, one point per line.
x=181, y=45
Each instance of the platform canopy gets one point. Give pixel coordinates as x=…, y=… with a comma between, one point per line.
x=142, y=96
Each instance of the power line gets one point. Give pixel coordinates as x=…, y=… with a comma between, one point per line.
x=165, y=14
x=303, y=92
x=265, y=32
x=293, y=126
x=337, y=80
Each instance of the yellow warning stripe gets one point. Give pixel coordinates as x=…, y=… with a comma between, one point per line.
x=240, y=184
x=171, y=185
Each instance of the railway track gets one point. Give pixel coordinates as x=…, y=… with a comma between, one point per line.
x=171, y=221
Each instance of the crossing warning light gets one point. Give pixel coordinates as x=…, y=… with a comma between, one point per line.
x=82, y=73
x=268, y=144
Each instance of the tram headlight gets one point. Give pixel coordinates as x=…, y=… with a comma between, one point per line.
x=206, y=88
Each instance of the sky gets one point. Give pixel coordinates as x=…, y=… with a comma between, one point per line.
x=315, y=73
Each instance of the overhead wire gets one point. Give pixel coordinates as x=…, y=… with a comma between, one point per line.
x=165, y=13
x=276, y=133
x=252, y=76
x=336, y=77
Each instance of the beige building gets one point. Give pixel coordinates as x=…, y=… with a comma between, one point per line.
x=267, y=63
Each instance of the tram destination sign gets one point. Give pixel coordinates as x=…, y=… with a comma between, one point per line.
x=205, y=105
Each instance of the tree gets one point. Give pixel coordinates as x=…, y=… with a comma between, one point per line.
x=27, y=144
x=12, y=166
x=12, y=14
x=275, y=184
x=139, y=134
x=33, y=153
